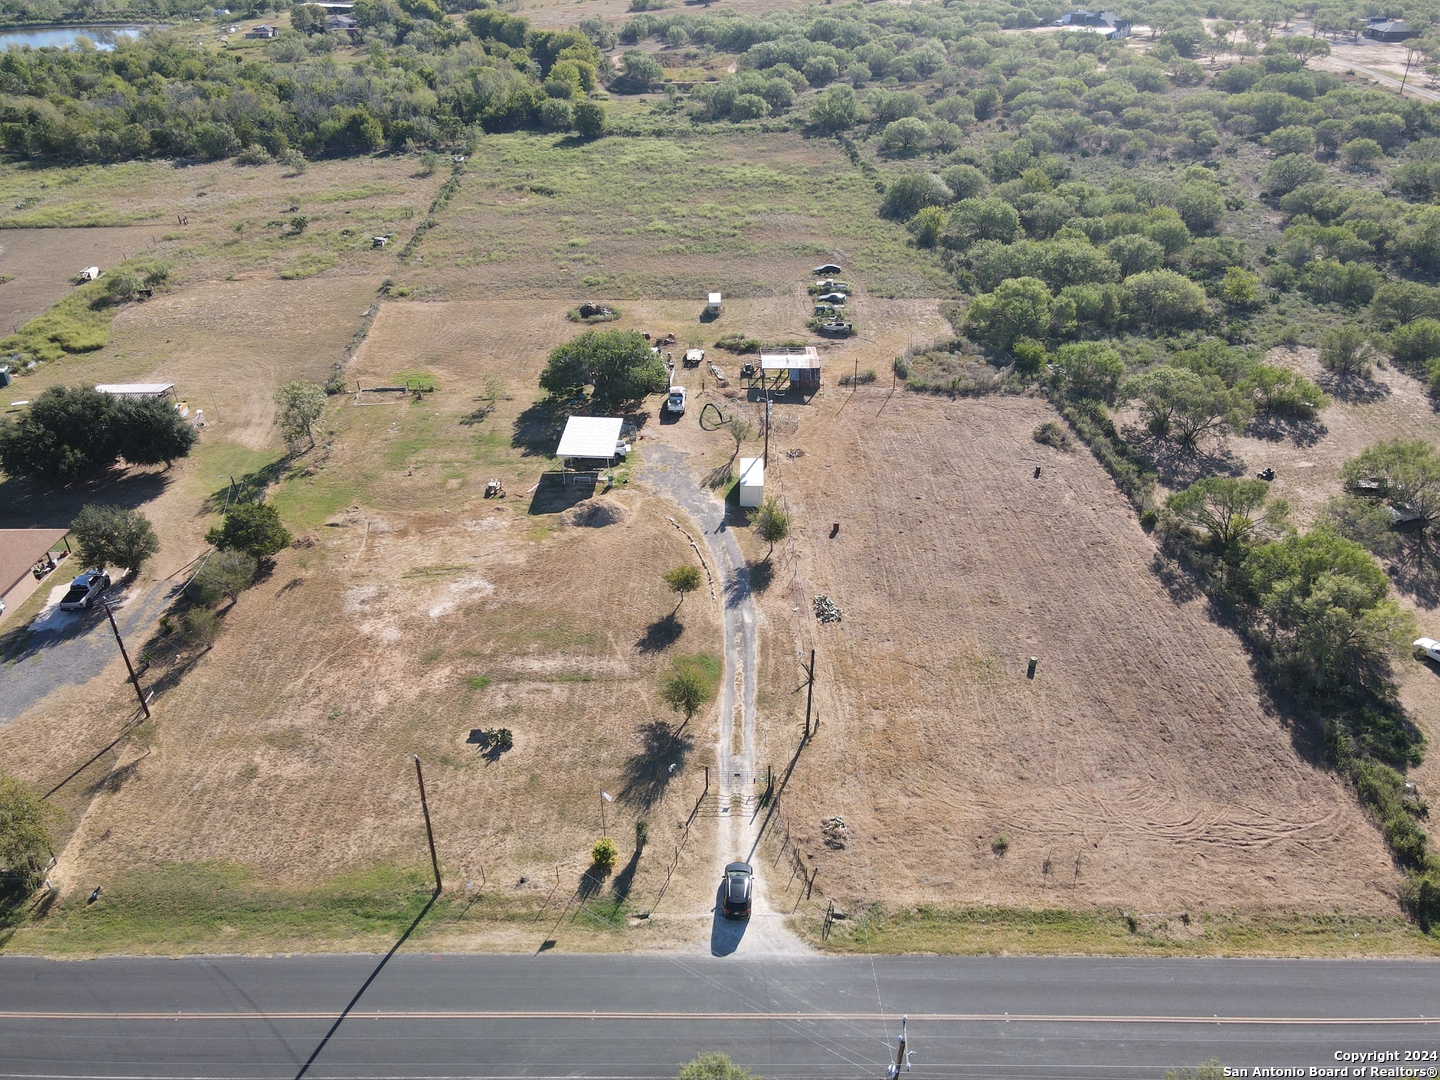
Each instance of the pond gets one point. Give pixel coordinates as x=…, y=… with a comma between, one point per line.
x=64, y=37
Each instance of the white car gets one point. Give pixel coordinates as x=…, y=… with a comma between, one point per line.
x=675, y=403
x=1431, y=647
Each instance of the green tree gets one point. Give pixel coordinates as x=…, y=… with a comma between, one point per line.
x=1326, y=611
x=26, y=830
x=1240, y=289
x=1166, y=299
x=225, y=573
x=1291, y=140
x=687, y=686
x=1360, y=153
x=926, y=225
x=772, y=524
x=1225, y=507
x=1346, y=352
x=910, y=193
x=1278, y=390
x=1135, y=254
x=835, y=109
x=66, y=433
x=972, y=220
x=1019, y=307
x=1088, y=371
x=714, y=1067
x=254, y=528
x=308, y=18
x=1416, y=343
x=681, y=580
x=590, y=119
x=1285, y=174
x=1408, y=471
x=1211, y=1070
x=301, y=404
x=149, y=431
x=640, y=68
x=114, y=536
x=618, y=364
x=906, y=135
x=1177, y=403
x=1399, y=302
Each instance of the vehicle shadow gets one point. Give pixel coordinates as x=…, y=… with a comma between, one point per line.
x=725, y=934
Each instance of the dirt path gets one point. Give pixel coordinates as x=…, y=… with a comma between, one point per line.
x=737, y=790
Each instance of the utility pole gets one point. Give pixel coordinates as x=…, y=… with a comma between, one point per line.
x=128, y=666
x=809, y=691
x=429, y=832
x=902, y=1054
x=767, y=426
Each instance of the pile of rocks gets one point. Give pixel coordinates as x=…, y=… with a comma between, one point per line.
x=826, y=610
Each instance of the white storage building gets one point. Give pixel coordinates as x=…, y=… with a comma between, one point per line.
x=752, y=481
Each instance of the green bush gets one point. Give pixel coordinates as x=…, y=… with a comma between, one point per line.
x=604, y=853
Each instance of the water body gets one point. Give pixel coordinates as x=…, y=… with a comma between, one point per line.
x=63, y=37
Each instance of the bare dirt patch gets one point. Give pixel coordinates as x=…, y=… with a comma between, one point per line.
x=41, y=264
x=1140, y=767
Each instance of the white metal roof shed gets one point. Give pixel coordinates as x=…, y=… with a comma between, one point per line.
x=590, y=437
x=136, y=389
x=752, y=481
x=714, y=299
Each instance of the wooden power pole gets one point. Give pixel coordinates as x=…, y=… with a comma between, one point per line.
x=135, y=679
x=429, y=832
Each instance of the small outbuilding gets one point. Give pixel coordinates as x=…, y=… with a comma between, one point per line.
x=800, y=366
x=1105, y=23
x=262, y=31
x=752, y=481
x=590, y=443
x=137, y=389
x=1389, y=30
x=713, y=304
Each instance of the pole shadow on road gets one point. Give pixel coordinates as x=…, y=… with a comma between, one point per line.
x=725, y=934
x=366, y=985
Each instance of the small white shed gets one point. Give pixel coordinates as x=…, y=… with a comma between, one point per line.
x=712, y=304
x=752, y=481
x=90, y=273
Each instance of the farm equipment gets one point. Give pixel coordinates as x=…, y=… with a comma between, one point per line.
x=694, y=357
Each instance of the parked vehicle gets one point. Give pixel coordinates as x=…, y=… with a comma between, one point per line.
x=694, y=357
x=1430, y=646
x=828, y=268
x=836, y=298
x=84, y=590
x=675, y=403
x=835, y=328
x=738, y=887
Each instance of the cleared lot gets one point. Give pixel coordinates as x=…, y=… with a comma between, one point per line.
x=1139, y=768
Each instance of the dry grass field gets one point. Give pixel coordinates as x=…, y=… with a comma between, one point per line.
x=670, y=217
x=414, y=611
x=1140, y=768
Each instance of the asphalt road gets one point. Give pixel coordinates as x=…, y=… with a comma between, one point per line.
x=642, y=1016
